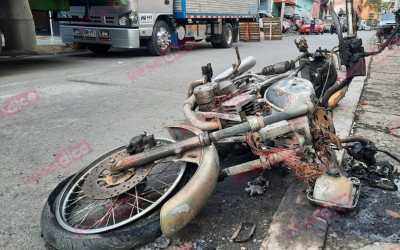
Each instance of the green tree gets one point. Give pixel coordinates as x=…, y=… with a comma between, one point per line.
x=375, y=5
x=386, y=6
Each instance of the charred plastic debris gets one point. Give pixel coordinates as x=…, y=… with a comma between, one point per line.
x=364, y=165
x=377, y=213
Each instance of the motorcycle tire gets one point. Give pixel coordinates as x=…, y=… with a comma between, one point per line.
x=131, y=236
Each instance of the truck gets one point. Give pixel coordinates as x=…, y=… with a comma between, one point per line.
x=157, y=24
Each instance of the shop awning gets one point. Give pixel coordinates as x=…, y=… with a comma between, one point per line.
x=287, y=2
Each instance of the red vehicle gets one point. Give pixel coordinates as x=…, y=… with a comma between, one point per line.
x=319, y=27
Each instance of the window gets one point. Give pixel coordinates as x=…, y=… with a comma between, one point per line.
x=371, y=15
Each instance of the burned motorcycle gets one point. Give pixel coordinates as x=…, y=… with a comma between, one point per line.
x=153, y=186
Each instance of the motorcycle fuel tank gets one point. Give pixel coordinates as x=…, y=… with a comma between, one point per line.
x=289, y=93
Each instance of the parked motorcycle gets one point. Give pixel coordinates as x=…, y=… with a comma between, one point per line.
x=386, y=28
x=153, y=186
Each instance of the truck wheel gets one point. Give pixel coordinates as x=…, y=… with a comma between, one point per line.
x=227, y=36
x=98, y=48
x=160, y=42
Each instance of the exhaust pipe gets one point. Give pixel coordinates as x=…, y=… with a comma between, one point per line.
x=245, y=65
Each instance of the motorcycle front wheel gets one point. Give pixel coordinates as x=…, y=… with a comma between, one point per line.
x=72, y=219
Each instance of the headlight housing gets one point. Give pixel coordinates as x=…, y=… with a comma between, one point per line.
x=130, y=18
x=133, y=17
x=123, y=21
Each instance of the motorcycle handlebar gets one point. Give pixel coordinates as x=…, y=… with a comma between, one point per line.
x=384, y=45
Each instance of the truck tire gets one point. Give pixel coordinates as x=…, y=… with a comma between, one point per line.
x=98, y=48
x=159, y=43
x=226, y=37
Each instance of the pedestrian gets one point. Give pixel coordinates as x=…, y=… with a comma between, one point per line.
x=312, y=26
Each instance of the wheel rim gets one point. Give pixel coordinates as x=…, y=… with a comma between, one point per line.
x=228, y=36
x=163, y=38
x=80, y=214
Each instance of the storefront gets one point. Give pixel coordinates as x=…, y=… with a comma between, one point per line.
x=290, y=8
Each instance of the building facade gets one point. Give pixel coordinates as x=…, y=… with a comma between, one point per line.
x=369, y=14
x=308, y=8
x=340, y=6
x=266, y=5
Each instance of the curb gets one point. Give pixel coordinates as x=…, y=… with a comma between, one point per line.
x=294, y=225
x=344, y=114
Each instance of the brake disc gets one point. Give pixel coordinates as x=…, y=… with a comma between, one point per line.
x=101, y=184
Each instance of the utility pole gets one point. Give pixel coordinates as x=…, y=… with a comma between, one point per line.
x=282, y=10
x=16, y=22
x=351, y=19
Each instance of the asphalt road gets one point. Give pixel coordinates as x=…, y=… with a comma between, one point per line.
x=104, y=101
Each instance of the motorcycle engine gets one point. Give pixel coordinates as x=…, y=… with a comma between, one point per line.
x=227, y=101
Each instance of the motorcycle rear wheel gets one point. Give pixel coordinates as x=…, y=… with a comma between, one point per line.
x=62, y=232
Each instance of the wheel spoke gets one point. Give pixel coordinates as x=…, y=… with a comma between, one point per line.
x=88, y=207
x=101, y=220
x=76, y=200
x=78, y=210
x=84, y=217
x=113, y=215
x=143, y=194
x=141, y=198
x=137, y=200
x=159, y=181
